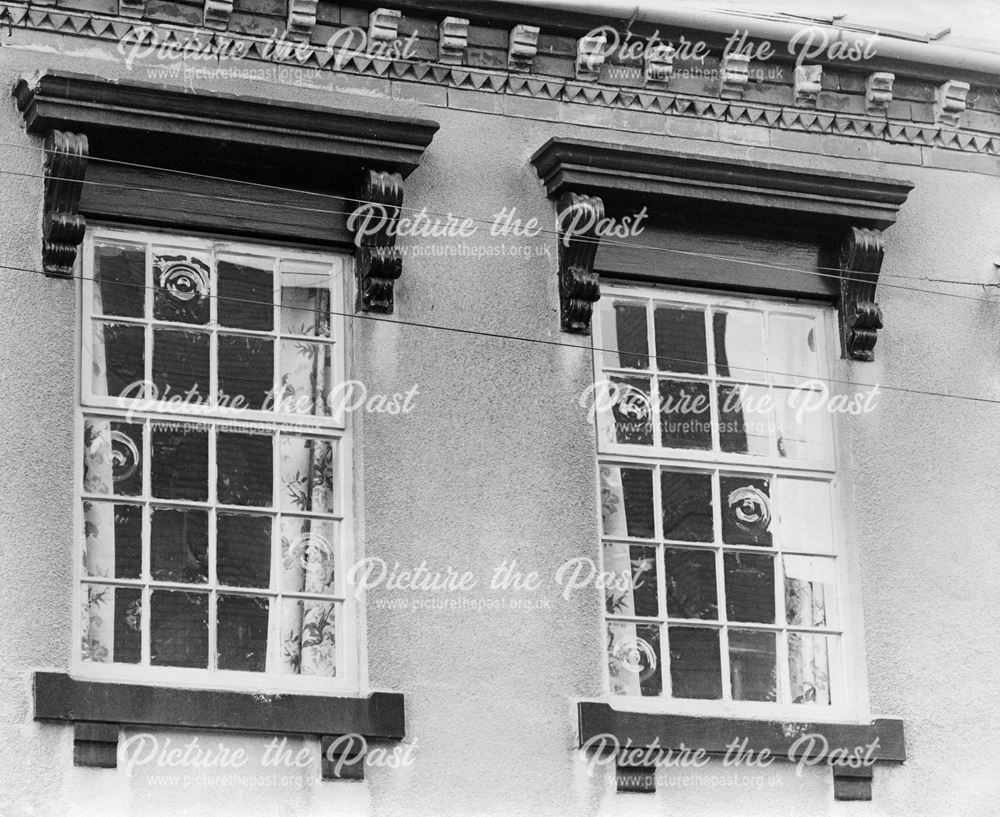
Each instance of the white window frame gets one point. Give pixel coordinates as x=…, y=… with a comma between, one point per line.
x=849, y=704
x=350, y=678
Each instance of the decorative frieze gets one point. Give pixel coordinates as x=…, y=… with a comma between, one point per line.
x=734, y=74
x=807, y=85
x=522, y=47
x=590, y=56
x=377, y=259
x=949, y=102
x=453, y=39
x=62, y=225
x=878, y=93
x=861, y=253
x=579, y=285
x=383, y=27
x=301, y=18
x=131, y=8
x=217, y=13
x=658, y=64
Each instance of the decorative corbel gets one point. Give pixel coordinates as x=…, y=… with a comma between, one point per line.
x=590, y=56
x=949, y=102
x=807, y=83
x=217, y=13
x=301, y=18
x=377, y=258
x=579, y=286
x=131, y=8
x=521, y=49
x=878, y=93
x=383, y=27
x=734, y=74
x=453, y=39
x=63, y=226
x=658, y=64
x=861, y=255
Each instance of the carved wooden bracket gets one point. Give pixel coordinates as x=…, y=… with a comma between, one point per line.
x=861, y=255
x=62, y=225
x=377, y=259
x=579, y=286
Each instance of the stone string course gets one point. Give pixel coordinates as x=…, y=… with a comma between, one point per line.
x=981, y=135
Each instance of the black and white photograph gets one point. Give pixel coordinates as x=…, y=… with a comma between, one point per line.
x=500, y=408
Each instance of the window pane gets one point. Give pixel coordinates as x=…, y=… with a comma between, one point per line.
x=112, y=624
x=680, y=339
x=178, y=629
x=309, y=637
x=801, y=425
x=809, y=660
x=633, y=590
x=244, y=463
x=793, y=348
x=739, y=344
x=305, y=378
x=112, y=457
x=805, y=515
x=120, y=280
x=624, y=334
x=307, y=474
x=690, y=578
x=118, y=362
x=746, y=510
x=180, y=287
x=695, y=664
x=305, y=299
x=246, y=372
x=246, y=293
x=810, y=591
x=753, y=665
x=631, y=411
x=308, y=555
x=181, y=365
x=749, y=587
x=745, y=419
x=113, y=540
x=244, y=550
x=634, y=659
x=180, y=461
x=627, y=501
x=687, y=506
x=242, y=633
x=178, y=550
x=685, y=414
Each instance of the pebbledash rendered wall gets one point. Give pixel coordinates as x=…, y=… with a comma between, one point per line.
x=496, y=462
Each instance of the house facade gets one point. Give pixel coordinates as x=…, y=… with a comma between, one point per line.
x=497, y=408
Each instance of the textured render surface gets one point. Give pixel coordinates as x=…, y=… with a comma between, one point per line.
x=496, y=463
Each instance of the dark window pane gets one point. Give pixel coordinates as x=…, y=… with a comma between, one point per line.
x=680, y=340
x=245, y=476
x=178, y=629
x=120, y=281
x=637, y=490
x=180, y=365
x=242, y=633
x=634, y=659
x=630, y=336
x=113, y=535
x=112, y=628
x=690, y=578
x=746, y=510
x=180, y=462
x=246, y=371
x=178, y=550
x=246, y=294
x=749, y=587
x=180, y=288
x=631, y=410
x=112, y=458
x=119, y=364
x=695, y=664
x=244, y=550
x=633, y=589
x=685, y=415
x=687, y=506
x=753, y=665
